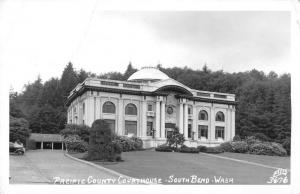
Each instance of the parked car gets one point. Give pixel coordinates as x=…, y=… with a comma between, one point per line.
x=16, y=148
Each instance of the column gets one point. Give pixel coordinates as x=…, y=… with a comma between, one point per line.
x=41, y=145
x=98, y=104
x=52, y=145
x=162, y=120
x=62, y=145
x=233, y=122
x=227, y=124
x=185, y=122
x=120, y=130
x=157, y=118
x=144, y=119
x=180, y=116
x=211, y=130
x=195, y=127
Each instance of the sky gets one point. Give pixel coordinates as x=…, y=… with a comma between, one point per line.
x=41, y=37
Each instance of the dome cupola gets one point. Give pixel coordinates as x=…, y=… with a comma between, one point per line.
x=147, y=74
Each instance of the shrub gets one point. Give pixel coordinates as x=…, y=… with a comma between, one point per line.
x=75, y=144
x=250, y=140
x=237, y=138
x=72, y=129
x=164, y=148
x=287, y=146
x=239, y=147
x=214, y=150
x=129, y=143
x=137, y=143
x=267, y=148
x=261, y=137
x=185, y=149
x=202, y=148
x=101, y=144
x=226, y=146
x=175, y=139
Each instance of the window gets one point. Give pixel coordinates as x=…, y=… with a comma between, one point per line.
x=83, y=108
x=202, y=131
x=111, y=124
x=169, y=110
x=220, y=116
x=130, y=128
x=189, y=130
x=131, y=109
x=189, y=110
x=150, y=107
x=219, y=132
x=149, y=128
x=74, y=110
x=109, y=107
x=203, y=115
x=220, y=96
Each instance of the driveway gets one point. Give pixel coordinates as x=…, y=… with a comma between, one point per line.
x=52, y=166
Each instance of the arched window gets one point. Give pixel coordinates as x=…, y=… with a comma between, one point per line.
x=130, y=109
x=109, y=107
x=220, y=116
x=203, y=115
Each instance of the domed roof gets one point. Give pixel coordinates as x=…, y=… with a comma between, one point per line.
x=148, y=74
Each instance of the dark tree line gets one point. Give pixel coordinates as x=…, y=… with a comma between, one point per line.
x=264, y=101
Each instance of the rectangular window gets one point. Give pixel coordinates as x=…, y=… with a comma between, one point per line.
x=220, y=96
x=131, y=128
x=190, y=111
x=111, y=124
x=150, y=107
x=83, y=108
x=131, y=86
x=203, y=94
x=109, y=83
x=149, y=128
x=219, y=132
x=202, y=131
x=189, y=130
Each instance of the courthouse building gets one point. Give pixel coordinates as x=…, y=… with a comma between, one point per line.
x=149, y=105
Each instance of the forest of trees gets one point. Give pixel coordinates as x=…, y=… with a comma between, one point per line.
x=264, y=101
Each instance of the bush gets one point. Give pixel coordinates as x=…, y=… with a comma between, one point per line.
x=101, y=144
x=129, y=143
x=226, y=146
x=237, y=138
x=287, y=146
x=239, y=147
x=75, y=144
x=72, y=129
x=250, y=140
x=164, y=148
x=214, y=150
x=175, y=139
x=185, y=149
x=202, y=148
x=267, y=148
x=261, y=137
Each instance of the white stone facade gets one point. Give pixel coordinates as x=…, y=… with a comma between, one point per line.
x=151, y=109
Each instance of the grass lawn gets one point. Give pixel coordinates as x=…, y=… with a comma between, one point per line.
x=164, y=165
